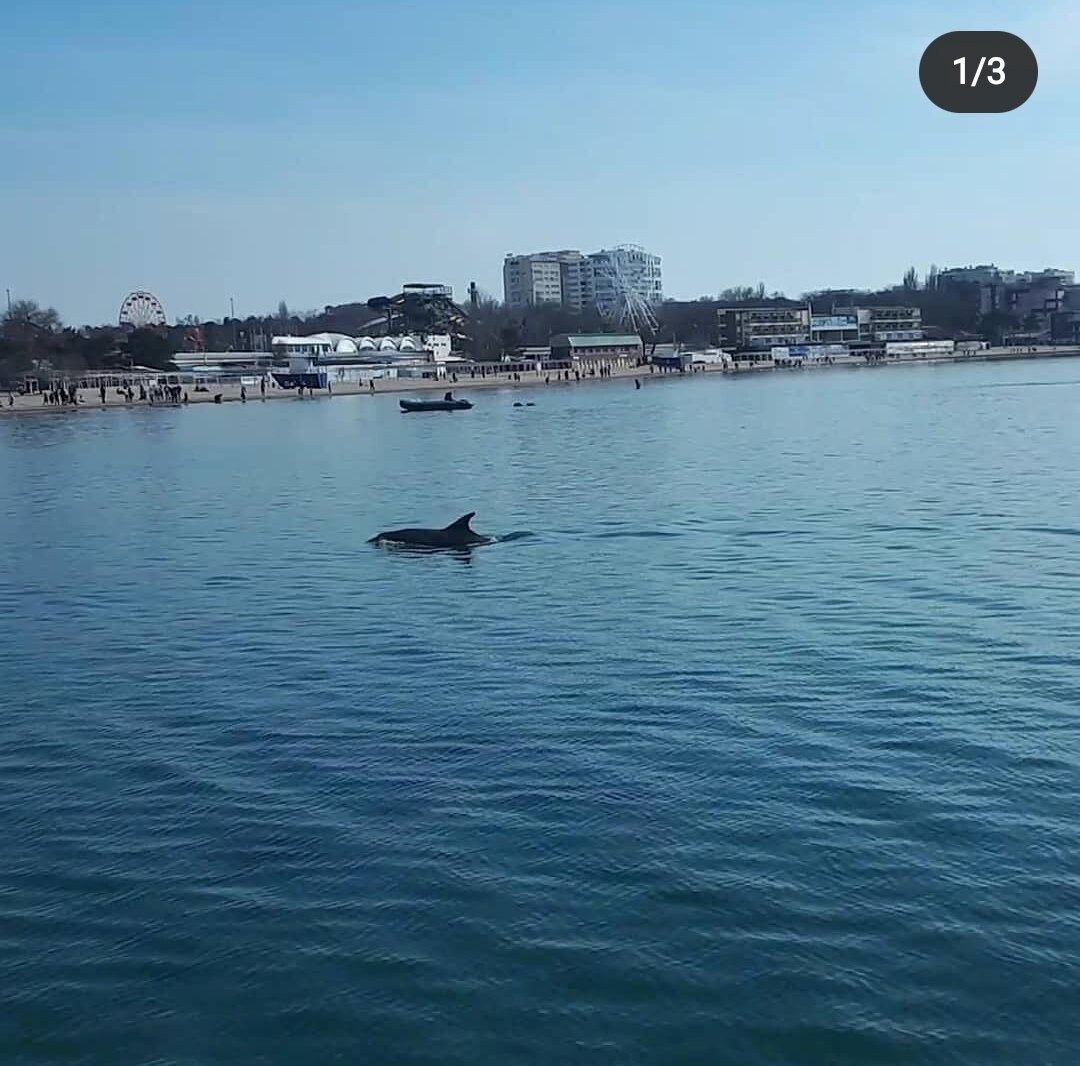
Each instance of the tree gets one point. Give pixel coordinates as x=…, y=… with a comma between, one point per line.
x=28, y=316
x=28, y=338
x=145, y=347
x=510, y=337
x=737, y=294
x=911, y=280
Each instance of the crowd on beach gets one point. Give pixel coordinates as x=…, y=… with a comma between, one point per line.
x=61, y=394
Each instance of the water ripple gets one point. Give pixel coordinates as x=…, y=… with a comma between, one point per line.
x=761, y=749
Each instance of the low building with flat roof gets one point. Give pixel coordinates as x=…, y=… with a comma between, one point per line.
x=596, y=346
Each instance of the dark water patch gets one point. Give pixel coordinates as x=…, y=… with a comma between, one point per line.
x=752, y=534
x=1057, y=531
x=1030, y=384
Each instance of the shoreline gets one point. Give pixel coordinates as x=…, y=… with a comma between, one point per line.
x=89, y=399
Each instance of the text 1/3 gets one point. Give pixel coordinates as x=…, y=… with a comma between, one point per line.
x=995, y=63
x=995, y=72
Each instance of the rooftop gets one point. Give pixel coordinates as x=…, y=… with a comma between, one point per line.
x=597, y=340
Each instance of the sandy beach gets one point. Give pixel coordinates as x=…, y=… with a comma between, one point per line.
x=90, y=399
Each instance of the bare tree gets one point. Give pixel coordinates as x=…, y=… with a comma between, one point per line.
x=27, y=315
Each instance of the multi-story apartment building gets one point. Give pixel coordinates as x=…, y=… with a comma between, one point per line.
x=543, y=278
x=577, y=281
x=1013, y=292
x=984, y=274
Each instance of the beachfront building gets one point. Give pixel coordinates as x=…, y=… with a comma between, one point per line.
x=880, y=324
x=329, y=358
x=762, y=327
x=840, y=327
x=607, y=348
x=223, y=360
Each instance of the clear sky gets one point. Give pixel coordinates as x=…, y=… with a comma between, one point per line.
x=329, y=150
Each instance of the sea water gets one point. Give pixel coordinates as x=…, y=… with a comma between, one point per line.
x=763, y=749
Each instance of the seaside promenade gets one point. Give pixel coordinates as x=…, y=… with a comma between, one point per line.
x=90, y=399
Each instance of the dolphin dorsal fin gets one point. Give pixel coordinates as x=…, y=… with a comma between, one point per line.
x=462, y=522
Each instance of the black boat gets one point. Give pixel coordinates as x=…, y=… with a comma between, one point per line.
x=447, y=403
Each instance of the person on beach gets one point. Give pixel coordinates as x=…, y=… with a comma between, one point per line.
x=243, y=394
x=262, y=388
x=102, y=391
x=371, y=384
x=300, y=390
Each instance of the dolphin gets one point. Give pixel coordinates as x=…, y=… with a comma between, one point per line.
x=456, y=535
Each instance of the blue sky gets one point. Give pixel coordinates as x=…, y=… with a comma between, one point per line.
x=327, y=151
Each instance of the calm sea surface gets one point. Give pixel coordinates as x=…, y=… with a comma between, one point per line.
x=764, y=749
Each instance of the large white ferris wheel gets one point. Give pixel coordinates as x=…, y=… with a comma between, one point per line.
x=141, y=309
x=623, y=302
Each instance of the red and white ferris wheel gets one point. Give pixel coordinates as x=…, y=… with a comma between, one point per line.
x=140, y=310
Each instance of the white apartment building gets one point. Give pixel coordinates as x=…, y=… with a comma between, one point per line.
x=544, y=278
x=576, y=281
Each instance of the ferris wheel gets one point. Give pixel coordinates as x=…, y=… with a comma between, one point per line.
x=141, y=309
x=624, y=302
